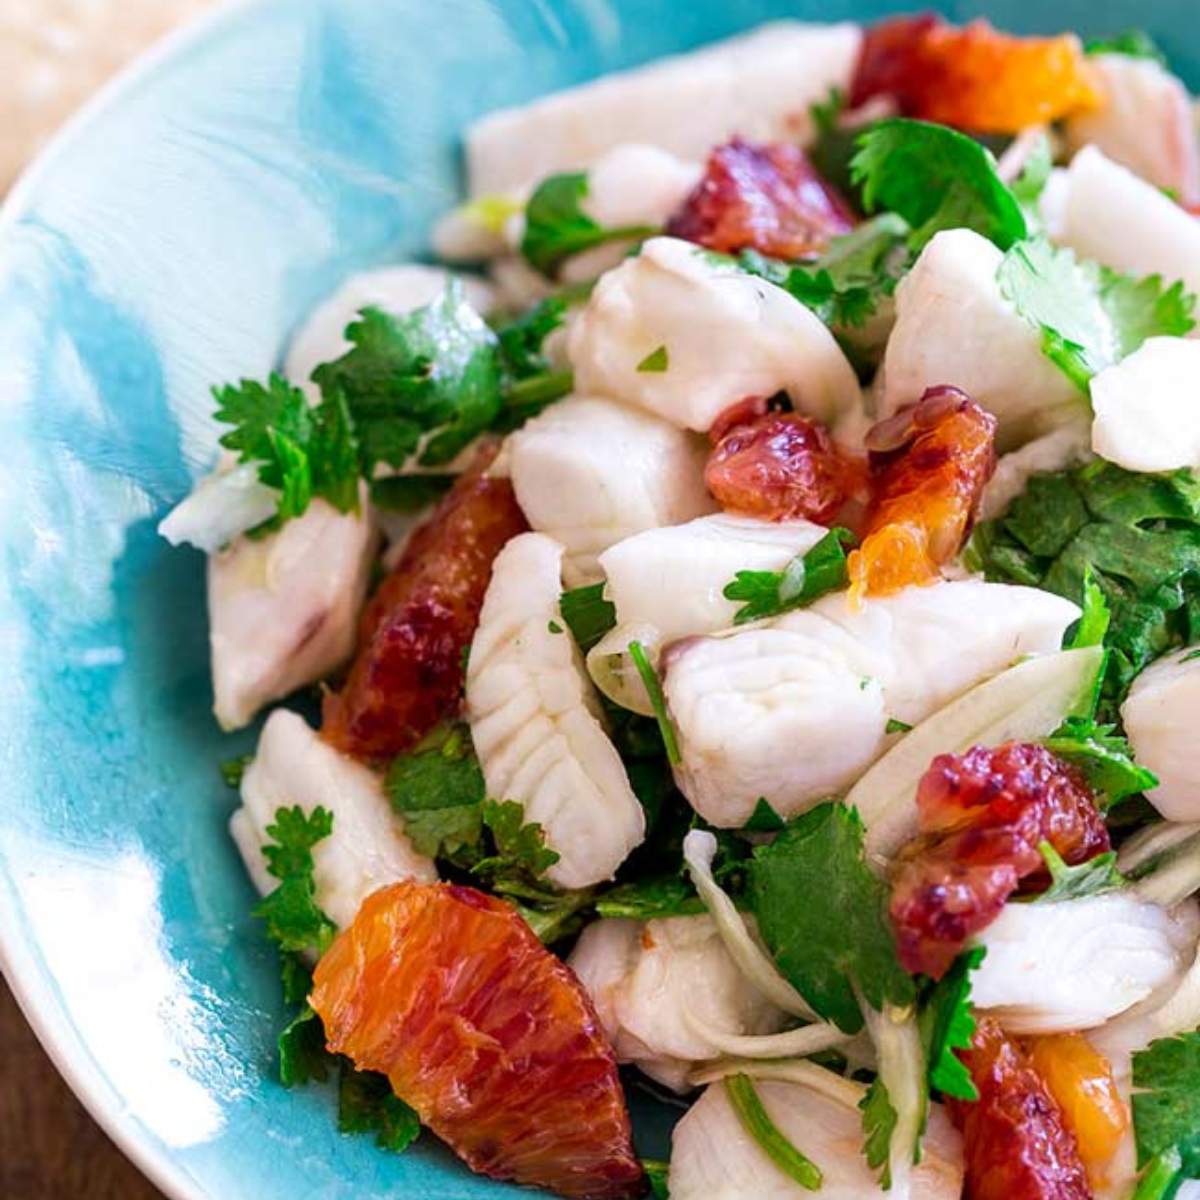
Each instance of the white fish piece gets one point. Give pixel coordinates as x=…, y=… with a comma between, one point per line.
x=1074, y=964
x=760, y=85
x=673, y=577
x=591, y=472
x=219, y=508
x=367, y=847
x=714, y=1158
x=1159, y=715
x=795, y=709
x=283, y=609
x=1105, y=212
x=535, y=720
x=1065, y=447
x=1145, y=124
x=727, y=335
x=1147, y=418
x=650, y=980
x=397, y=290
x=953, y=326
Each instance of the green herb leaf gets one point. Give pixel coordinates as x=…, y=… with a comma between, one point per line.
x=657, y=1173
x=646, y=899
x=1133, y=43
x=894, y=726
x=409, y=493
x=1092, y=878
x=637, y=652
x=1166, y=1102
x=764, y=819
x=1029, y=185
x=879, y=1123
x=947, y=1024
x=1144, y=308
x=522, y=339
x=1093, y=625
x=806, y=578
x=232, y=769
x=822, y=913
x=367, y=1104
x=588, y=615
x=935, y=178
x=519, y=847
x=425, y=384
x=655, y=362
x=556, y=227
x=294, y=919
x=302, y=1054
x=756, y=1121
x=1104, y=756
x=438, y=788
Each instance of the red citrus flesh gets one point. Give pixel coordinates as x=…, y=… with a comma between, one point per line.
x=407, y=674
x=485, y=1033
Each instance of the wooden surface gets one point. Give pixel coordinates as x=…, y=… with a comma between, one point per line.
x=50, y=1149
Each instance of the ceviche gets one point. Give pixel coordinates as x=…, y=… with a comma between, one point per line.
x=742, y=620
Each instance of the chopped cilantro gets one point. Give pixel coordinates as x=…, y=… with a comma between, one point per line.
x=936, y=179
x=1092, y=627
x=658, y=702
x=820, y=569
x=1104, y=756
x=556, y=227
x=520, y=847
x=301, y=1043
x=232, y=769
x=1166, y=1105
x=664, y=896
x=879, y=1123
x=588, y=615
x=655, y=362
x=1091, y=878
x=821, y=912
x=1133, y=43
x=756, y=1121
x=367, y=1104
x=409, y=493
x=1029, y=185
x=947, y=1024
x=294, y=919
x=894, y=726
x=657, y=1173
x=1089, y=317
x=522, y=338
x=764, y=819
x=554, y=627
x=300, y=450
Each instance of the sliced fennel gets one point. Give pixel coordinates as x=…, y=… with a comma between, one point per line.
x=821, y=1080
x=809, y=1039
x=1172, y=874
x=699, y=849
x=221, y=507
x=1149, y=845
x=1025, y=702
x=902, y=1072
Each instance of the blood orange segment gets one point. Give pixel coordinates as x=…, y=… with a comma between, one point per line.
x=485, y=1033
x=768, y=198
x=777, y=465
x=1015, y=1141
x=1080, y=1079
x=983, y=815
x=929, y=465
x=974, y=78
x=408, y=672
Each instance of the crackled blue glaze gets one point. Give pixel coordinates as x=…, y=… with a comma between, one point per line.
x=171, y=239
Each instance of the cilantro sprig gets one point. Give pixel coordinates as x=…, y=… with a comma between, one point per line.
x=556, y=226
x=294, y=920
x=947, y=1024
x=1166, y=1110
x=588, y=615
x=1092, y=878
x=808, y=576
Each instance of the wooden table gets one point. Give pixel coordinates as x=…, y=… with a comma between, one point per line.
x=50, y=1149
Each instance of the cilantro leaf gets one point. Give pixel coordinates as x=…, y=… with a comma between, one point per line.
x=522, y=339
x=665, y=896
x=409, y=493
x=894, y=726
x=438, y=789
x=423, y=384
x=935, y=178
x=1133, y=43
x=764, y=819
x=556, y=227
x=1089, y=316
x=302, y=1054
x=820, y=569
x=1166, y=1101
x=1093, y=625
x=300, y=451
x=879, y=1123
x=520, y=848
x=1104, y=756
x=657, y=1174
x=1091, y=878
x=588, y=615
x=821, y=912
x=756, y=1121
x=294, y=919
x=367, y=1104
x=232, y=769
x=947, y=1024
x=656, y=362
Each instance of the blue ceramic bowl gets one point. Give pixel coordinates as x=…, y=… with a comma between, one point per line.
x=171, y=238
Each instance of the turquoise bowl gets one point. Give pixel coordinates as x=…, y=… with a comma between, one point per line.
x=172, y=237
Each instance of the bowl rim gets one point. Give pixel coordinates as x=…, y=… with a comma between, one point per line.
x=27, y=978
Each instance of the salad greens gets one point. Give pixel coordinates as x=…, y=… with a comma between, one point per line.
x=806, y=578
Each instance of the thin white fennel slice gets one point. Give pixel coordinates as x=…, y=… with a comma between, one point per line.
x=902, y=1071
x=808, y=1039
x=699, y=849
x=1027, y=701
